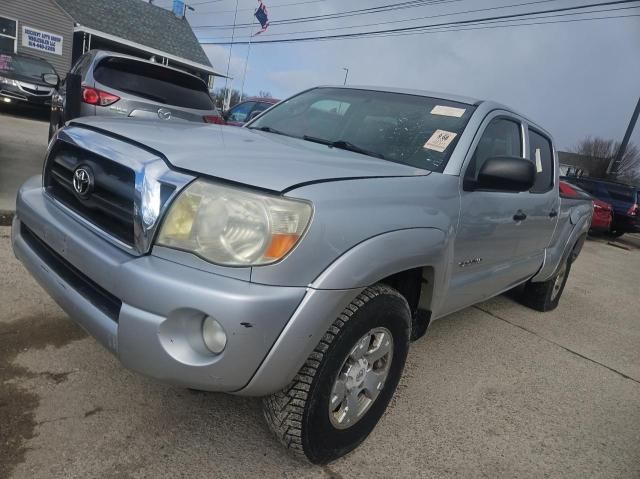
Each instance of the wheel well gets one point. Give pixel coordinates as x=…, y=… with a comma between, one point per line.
x=416, y=285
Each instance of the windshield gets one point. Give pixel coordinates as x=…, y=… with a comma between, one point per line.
x=31, y=67
x=410, y=129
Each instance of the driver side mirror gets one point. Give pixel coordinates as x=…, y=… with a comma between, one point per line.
x=51, y=79
x=503, y=173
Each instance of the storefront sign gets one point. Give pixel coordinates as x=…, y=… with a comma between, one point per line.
x=43, y=41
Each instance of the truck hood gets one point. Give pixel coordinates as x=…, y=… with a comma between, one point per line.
x=251, y=157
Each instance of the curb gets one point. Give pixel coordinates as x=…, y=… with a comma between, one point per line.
x=6, y=217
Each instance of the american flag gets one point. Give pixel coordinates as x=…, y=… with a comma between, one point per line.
x=263, y=17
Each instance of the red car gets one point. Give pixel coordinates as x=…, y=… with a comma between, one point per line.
x=602, y=212
x=247, y=110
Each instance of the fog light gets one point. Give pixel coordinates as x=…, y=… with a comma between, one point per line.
x=6, y=100
x=213, y=335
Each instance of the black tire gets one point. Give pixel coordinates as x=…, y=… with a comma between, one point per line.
x=616, y=233
x=299, y=414
x=546, y=296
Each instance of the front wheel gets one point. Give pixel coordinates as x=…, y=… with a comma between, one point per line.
x=340, y=393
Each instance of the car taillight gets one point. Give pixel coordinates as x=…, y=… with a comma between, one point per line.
x=634, y=210
x=93, y=96
x=218, y=120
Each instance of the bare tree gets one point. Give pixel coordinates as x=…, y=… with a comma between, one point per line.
x=219, y=95
x=265, y=94
x=605, y=150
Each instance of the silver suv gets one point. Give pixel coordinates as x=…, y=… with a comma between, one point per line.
x=113, y=84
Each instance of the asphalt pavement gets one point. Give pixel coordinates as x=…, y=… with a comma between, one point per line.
x=495, y=391
x=23, y=143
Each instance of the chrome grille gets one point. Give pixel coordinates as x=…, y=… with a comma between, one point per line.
x=110, y=206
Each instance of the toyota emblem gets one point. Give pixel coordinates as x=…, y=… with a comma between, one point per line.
x=82, y=181
x=164, y=114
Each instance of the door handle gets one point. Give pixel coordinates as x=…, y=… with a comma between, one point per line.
x=519, y=216
x=553, y=214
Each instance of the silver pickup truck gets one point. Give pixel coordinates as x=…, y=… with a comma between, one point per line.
x=297, y=257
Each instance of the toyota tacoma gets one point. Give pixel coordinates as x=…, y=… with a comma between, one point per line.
x=296, y=258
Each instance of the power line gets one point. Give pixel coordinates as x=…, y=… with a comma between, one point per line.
x=480, y=21
x=277, y=5
x=333, y=16
x=388, y=22
x=208, y=1
x=422, y=27
x=447, y=30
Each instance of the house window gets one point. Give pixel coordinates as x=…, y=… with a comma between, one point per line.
x=8, y=33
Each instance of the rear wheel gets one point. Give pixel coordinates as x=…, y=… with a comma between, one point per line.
x=545, y=296
x=338, y=396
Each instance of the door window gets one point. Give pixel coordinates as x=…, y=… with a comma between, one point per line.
x=240, y=112
x=501, y=138
x=8, y=29
x=541, y=154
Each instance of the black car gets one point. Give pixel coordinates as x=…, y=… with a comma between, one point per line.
x=26, y=79
x=624, y=198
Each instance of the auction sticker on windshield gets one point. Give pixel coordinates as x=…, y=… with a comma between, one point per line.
x=447, y=111
x=440, y=140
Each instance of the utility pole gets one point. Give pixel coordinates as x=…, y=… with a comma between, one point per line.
x=617, y=161
x=345, y=75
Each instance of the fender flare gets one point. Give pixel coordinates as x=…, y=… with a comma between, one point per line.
x=381, y=256
x=576, y=239
x=363, y=265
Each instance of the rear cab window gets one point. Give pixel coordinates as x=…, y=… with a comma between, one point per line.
x=153, y=82
x=541, y=153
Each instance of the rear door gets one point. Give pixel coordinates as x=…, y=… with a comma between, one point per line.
x=488, y=258
x=151, y=91
x=543, y=200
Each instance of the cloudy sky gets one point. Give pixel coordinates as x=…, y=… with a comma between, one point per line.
x=575, y=78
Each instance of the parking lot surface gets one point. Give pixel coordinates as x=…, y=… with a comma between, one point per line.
x=496, y=390
x=23, y=142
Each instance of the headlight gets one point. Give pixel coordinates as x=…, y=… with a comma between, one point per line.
x=234, y=227
x=8, y=81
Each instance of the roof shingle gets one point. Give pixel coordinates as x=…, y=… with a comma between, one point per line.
x=139, y=22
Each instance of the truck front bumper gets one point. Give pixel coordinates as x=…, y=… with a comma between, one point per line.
x=147, y=310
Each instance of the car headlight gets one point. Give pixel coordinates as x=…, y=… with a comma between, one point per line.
x=8, y=81
x=232, y=226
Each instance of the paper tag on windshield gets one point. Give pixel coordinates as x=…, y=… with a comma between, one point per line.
x=538, y=161
x=447, y=111
x=439, y=140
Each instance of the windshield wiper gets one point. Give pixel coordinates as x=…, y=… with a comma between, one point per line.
x=268, y=129
x=344, y=145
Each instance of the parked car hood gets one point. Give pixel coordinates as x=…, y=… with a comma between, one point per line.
x=250, y=157
x=25, y=78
